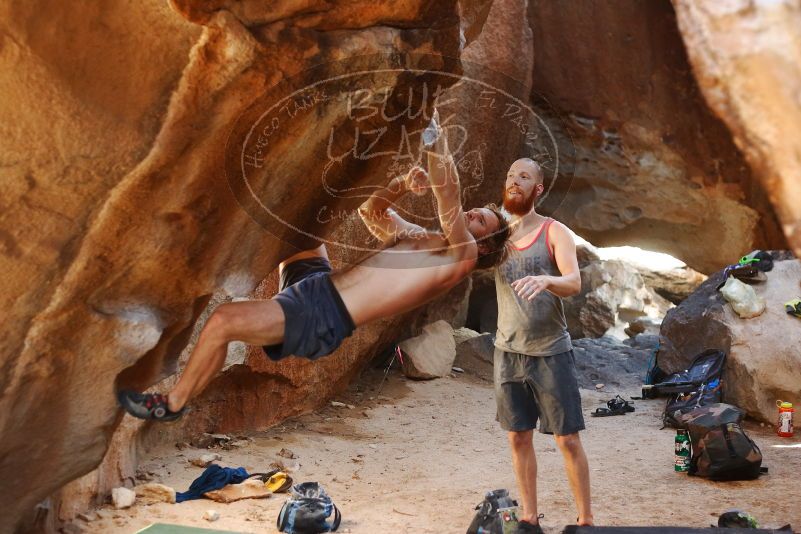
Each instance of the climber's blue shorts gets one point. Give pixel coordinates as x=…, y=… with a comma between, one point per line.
x=316, y=321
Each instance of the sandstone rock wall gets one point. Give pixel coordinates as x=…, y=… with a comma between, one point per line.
x=653, y=166
x=746, y=57
x=119, y=224
x=82, y=105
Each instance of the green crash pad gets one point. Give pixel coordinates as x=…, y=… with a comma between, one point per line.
x=164, y=528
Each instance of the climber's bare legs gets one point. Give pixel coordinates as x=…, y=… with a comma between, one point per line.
x=255, y=322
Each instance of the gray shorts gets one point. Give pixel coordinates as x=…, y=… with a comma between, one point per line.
x=532, y=388
x=316, y=321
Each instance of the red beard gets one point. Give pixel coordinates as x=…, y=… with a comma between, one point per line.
x=517, y=205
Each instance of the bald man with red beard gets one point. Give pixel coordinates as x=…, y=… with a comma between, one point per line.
x=534, y=368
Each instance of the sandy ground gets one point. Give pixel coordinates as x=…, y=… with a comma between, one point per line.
x=418, y=457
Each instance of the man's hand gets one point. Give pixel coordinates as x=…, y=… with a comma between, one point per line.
x=378, y=215
x=417, y=180
x=528, y=287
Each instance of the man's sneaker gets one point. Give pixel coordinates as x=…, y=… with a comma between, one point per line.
x=151, y=406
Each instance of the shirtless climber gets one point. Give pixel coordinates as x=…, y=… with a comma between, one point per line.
x=316, y=309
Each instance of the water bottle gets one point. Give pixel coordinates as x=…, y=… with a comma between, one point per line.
x=682, y=448
x=785, y=427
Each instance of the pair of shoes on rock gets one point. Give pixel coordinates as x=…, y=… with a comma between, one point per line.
x=749, y=273
x=616, y=406
x=150, y=406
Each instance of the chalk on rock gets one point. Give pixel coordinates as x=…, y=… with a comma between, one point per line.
x=122, y=498
x=211, y=515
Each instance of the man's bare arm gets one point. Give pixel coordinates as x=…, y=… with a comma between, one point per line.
x=445, y=185
x=379, y=217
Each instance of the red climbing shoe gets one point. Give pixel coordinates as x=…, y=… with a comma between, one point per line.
x=151, y=406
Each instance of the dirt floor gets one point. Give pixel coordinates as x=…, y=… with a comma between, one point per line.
x=417, y=457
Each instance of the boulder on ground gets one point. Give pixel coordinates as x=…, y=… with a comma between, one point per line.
x=764, y=359
x=431, y=354
x=474, y=352
x=643, y=325
x=613, y=293
x=674, y=284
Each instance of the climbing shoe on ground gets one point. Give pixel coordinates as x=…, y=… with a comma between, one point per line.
x=151, y=406
x=793, y=307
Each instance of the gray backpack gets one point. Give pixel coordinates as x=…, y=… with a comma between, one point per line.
x=495, y=514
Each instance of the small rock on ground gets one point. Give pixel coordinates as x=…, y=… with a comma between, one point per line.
x=122, y=498
x=205, y=459
x=211, y=515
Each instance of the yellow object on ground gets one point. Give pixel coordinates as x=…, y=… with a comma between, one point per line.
x=279, y=482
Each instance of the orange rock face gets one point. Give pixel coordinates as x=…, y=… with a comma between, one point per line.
x=652, y=165
x=747, y=59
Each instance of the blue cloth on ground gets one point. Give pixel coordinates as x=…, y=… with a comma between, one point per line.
x=213, y=478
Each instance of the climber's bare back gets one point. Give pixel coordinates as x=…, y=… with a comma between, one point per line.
x=397, y=279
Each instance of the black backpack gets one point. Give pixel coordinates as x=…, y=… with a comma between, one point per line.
x=496, y=509
x=699, y=385
x=721, y=450
x=653, y=375
x=307, y=511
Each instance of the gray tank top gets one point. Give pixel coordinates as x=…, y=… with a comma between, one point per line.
x=538, y=327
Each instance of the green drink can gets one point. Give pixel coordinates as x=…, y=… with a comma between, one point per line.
x=682, y=448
